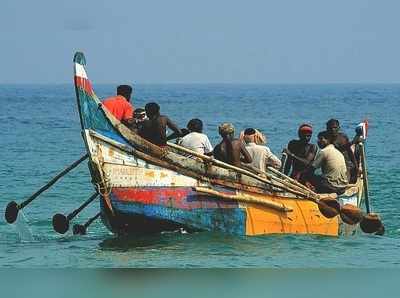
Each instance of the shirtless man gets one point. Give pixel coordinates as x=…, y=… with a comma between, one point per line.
x=300, y=154
x=154, y=128
x=231, y=150
x=343, y=144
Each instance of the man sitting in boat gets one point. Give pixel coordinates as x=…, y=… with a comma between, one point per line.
x=154, y=128
x=231, y=150
x=333, y=167
x=260, y=154
x=343, y=144
x=300, y=153
x=120, y=105
x=196, y=140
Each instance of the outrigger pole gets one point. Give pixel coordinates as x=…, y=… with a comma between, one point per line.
x=61, y=222
x=13, y=207
x=81, y=229
x=371, y=223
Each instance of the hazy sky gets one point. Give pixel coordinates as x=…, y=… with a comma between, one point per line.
x=170, y=41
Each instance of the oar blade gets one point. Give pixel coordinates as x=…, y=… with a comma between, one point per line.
x=329, y=207
x=11, y=213
x=351, y=214
x=60, y=223
x=371, y=223
x=79, y=229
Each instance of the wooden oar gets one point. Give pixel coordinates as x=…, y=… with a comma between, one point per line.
x=219, y=163
x=13, y=207
x=328, y=207
x=245, y=198
x=327, y=204
x=365, y=177
x=81, y=229
x=61, y=222
x=371, y=223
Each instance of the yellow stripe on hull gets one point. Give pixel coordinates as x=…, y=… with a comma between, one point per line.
x=304, y=219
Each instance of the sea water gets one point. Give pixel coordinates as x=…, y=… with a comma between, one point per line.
x=40, y=135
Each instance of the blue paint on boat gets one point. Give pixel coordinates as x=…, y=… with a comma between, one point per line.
x=227, y=220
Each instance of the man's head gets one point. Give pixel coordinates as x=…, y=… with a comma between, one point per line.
x=305, y=133
x=139, y=114
x=333, y=127
x=125, y=91
x=324, y=139
x=249, y=135
x=152, y=109
x=226, y=130
x=195, y=125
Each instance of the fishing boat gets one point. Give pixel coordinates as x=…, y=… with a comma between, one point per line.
x=145, y=188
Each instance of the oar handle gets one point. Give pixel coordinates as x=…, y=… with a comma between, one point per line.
x=89, y=222
x=87, y=202
x=365, y=178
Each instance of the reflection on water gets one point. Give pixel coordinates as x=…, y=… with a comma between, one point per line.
x=22, y=227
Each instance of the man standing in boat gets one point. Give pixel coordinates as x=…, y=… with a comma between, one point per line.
x=300, y=153
x=120, y=105
x=231, y=150
x=154, y=128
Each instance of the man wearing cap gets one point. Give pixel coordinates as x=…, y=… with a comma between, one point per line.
x=300, y=153
x=120, y=106
x=231, y=150
x=260, y=154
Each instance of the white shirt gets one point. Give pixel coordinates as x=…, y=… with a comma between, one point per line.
x=197, y=142
x=262, y=157
x=333, y=166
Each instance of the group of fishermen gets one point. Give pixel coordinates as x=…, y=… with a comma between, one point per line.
x=336, y=155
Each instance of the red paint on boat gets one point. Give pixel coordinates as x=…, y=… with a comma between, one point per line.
x=183, y=198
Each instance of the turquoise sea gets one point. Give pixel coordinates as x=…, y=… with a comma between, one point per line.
x=40, y=135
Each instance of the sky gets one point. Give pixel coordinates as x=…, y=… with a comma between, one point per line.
x=203, y=41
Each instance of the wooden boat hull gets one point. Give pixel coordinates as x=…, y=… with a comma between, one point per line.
x=148, y=199
x=147, y=189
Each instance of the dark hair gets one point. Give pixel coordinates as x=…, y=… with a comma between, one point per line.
x=125, y=91
x=184, y=132
x=326, y=135
x=195, y=125
x=331, y=122
x=139, y=110
x=152, y=109
x=249, y=131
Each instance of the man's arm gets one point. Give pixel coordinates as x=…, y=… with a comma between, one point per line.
x=246, y=155
x=304, y=161
x=272, y=159
x=318, y=160
x=127, y=118
x=208, y=149
x=176, y=131
x=352, y=157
